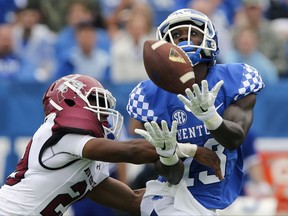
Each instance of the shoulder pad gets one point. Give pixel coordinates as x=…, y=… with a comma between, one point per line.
x=78, y=120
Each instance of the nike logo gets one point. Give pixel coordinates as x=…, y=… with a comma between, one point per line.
x=203, y=110
x=219, y=106
x=164, y=146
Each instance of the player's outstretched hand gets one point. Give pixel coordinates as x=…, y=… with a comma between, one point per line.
x=163, y=139
x=201, y=104
x=210, y=159
x=165, y=143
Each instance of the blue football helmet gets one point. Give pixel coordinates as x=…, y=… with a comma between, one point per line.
x=208, y=50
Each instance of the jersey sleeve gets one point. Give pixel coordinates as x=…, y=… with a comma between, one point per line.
x=240, y=80
x=251, y=82
x=147, y=102
x=73, y=144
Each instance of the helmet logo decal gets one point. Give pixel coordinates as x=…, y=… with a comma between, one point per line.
x=175, y=56
x=61, y=90
x=76, y=86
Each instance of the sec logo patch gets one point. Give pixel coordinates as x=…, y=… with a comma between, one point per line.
x=180, y=116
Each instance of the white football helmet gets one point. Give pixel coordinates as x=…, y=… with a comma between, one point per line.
x=208, y=50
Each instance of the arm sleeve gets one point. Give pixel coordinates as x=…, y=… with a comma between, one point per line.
x=72, y=144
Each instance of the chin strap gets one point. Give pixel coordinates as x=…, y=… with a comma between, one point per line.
x=195, y=56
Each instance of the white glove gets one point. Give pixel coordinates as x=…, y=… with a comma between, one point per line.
x=186, y=150
x=164, y=140
x=201, y=104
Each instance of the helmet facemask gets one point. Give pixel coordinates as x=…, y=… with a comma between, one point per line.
x=102, y=103
x=192, y=20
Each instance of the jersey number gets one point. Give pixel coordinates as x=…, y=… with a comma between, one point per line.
x=61, y=202
x=204, y=177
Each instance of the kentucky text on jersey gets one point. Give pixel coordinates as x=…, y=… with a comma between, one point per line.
x=191, y=132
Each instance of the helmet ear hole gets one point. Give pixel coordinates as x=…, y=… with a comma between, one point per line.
x=69, y=102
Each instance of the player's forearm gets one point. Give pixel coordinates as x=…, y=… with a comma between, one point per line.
x=140, y=151
x=137, y=151
x=229, y=134
x=173, y=173
x=115, y=194
x=237, y=120
x=128, y=200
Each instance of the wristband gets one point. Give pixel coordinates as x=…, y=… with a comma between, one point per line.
x=187, y=149
x=170, y=160
x=213, y=122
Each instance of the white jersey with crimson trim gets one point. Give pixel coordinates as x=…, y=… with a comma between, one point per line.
x=33, y=190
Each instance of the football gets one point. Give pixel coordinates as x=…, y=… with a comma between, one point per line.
x=168, y=66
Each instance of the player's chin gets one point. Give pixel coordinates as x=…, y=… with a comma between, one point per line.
x=173, y=173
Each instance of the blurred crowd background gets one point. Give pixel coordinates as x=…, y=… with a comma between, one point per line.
x=42, y=40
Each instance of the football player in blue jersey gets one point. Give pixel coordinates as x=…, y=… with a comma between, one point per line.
x=215, y=113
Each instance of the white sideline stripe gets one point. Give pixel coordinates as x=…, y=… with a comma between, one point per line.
x=187, y=76
x=158, y=44
x=272, y=144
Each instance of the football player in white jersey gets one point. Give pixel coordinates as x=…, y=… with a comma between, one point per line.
x=67, y=158
x=216, y=113
x=65, y=161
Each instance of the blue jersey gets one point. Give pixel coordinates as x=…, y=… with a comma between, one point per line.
x=148, y=102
